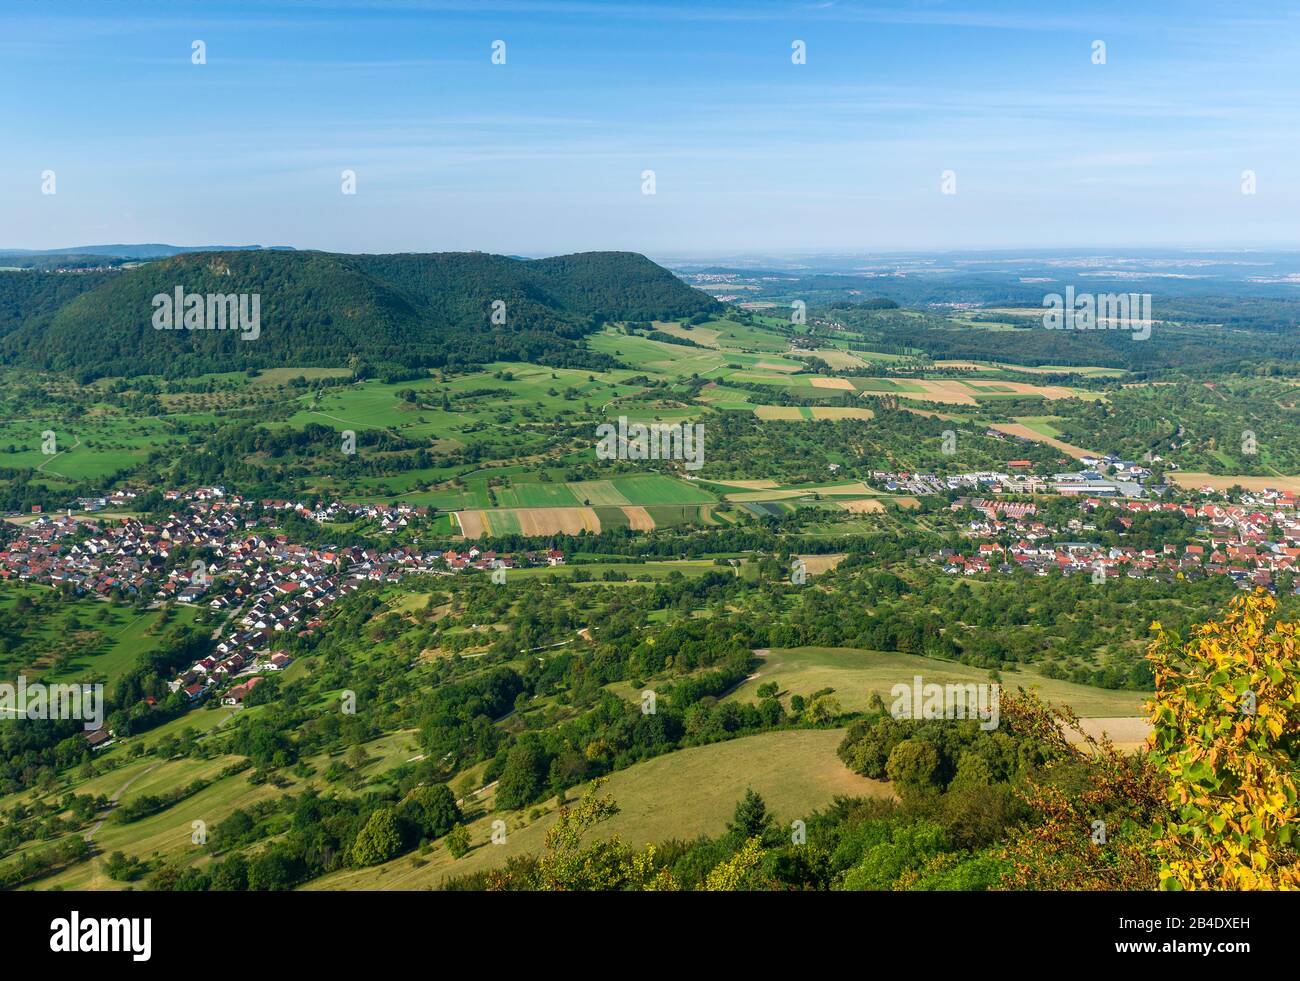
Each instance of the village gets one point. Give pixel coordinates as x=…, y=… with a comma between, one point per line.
x=266, y=586
x=1252, y=543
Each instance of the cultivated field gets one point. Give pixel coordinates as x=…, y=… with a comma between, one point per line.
x=749, y=484
x=866, y=506
x=551, y=521
x=969, y=392
x=817, y=564
x=639, y=518
x=826, y=490
x=839, y=359
x=1050, y=392
x=1127, y=734
x=1194, y=479
x=797, y=413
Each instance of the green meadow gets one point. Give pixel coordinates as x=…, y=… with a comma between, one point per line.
x=680, y=795
x=82, y=639
x=856, y=674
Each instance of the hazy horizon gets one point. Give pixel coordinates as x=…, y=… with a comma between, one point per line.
x=545, y=153
x=1005, y=253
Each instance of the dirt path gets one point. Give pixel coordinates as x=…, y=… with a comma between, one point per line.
x=482, y=790
x=41, y=468
x=114, y=798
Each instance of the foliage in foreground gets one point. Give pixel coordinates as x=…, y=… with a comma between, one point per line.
x=1227, y=726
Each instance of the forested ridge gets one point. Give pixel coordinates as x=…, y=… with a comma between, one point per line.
x=325, y=309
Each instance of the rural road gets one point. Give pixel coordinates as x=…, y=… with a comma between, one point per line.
x=113, y=800
x=234, y=611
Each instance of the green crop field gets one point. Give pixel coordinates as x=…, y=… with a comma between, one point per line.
x=536, y=495
x=598, y=492
x=641, y=489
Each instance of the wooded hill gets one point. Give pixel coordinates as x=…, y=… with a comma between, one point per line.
x=327, y=309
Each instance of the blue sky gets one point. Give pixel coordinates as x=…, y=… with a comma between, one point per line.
x=544, y=154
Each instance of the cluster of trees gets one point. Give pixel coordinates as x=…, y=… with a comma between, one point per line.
x=39, y=748
x=1074, y=629
x=1188, y=347
x=25, y=296
x=314, y=834
x=43, y=820
x=740, y=445
x=974, y=811
x=1236, y=426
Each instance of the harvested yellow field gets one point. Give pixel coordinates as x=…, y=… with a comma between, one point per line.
x=838, y=490
x=816, y=564
x=531, y=521
x=1128, y=734
x=639, y=518
x=876, y=505
x=779, y=413
x=1024, y=432
x=947, y=392
x=840, y=359
x=1192, y=478
x=857, y=487
x=557, y=521
x=767, y=495
x=928, y=413
x=775, y=366
x=471, y=523
x=867, y=506
x=749, y=484
x=841, y=412
x=842, y=384
x=969, y=391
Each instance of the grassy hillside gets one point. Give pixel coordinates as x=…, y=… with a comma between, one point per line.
x=51, y=639
x=856, y=675
x=681, y=795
